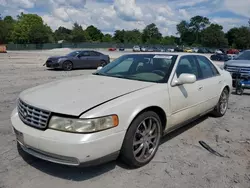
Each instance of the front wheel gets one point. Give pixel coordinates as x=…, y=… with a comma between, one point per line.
x=103, y=63
x=221, y=107
x=142, y=139
x=67, y=66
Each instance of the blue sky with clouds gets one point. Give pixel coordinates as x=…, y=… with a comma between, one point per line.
x=109, y=15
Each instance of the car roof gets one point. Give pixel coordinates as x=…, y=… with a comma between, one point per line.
x=168, y=53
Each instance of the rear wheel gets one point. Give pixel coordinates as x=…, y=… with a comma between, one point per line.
x=103, y=63
x=67, y=66
x=221, y=107
x=142, y=139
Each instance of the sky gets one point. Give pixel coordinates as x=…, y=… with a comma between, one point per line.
x=110, y=15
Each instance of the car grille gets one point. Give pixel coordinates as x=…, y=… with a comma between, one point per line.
x=236, y=69
x=33, y=116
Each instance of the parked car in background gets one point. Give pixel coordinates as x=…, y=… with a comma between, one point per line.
x=112, y=49
x=239, y=66
x=89, y=120
x=233, y=51
x=188, y=50
x=150, y=49
x=195, y=50
x=143, y=49
x=136, y=49
x=202, y=50
x=219, y=57
x=77, y=60
x=178, y=49
x=170, y=50
x=121, y=47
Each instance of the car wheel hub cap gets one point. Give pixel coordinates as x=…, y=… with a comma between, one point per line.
x=146, y=139
x=223, y=102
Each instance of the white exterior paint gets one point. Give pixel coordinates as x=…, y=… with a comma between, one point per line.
x=74, y=96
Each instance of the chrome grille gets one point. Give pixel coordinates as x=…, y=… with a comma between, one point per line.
x=33, y=116
x=236, y=69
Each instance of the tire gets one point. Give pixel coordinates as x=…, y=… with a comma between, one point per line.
x=221, y=107
x=239, y=91
x=103, y=63
x=142, y=140
x=67, y=66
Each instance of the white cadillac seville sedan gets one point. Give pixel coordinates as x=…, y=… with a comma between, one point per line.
x=122, y=109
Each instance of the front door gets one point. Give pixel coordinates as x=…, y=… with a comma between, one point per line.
x=186, y=99
x=82, y=60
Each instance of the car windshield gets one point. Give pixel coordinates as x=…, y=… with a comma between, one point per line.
x=141, y=67
x=73, y=54
x=243, y=56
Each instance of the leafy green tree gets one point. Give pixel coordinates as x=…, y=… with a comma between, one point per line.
x=151, y=34
x=9, y=23
x=213, y=36
x=133, y=36
x=94, y=33
x=119, y=36
x=62, y=33
x=107, y=38
x=30, y=28
x=197, y=24
x=78, y=35
x=168, y=40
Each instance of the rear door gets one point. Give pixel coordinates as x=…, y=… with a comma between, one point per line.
x=94, y=59
x=211, y=82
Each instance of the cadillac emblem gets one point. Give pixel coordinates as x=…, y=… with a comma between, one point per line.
x=25, y=114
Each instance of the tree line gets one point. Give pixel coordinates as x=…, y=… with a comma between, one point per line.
x=198, y=31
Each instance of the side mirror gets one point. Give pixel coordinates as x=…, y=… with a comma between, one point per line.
x=99, y=68
x=185, y=79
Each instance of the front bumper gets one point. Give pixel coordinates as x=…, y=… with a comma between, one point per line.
x=67, y=148
x=51, y=64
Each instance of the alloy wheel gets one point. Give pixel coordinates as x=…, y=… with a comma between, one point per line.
x=146, y=139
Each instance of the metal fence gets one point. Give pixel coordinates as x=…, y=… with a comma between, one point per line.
x=87, y=45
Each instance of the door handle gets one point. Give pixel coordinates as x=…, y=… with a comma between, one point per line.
x=200, y=88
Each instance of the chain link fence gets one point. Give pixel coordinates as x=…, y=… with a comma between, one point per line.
x=85, y=45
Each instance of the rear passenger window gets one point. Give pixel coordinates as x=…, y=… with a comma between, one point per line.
x=207, y=68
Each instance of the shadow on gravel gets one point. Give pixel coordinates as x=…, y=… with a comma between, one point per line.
x=86, y=173
x=61, y=70
x=67, y=172
x=182, y=129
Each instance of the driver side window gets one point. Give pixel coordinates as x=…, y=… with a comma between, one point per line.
x=187, y=65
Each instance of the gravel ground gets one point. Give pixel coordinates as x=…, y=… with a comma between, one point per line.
x=180, y=161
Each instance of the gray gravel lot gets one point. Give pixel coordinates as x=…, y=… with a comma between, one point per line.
x=179, y=163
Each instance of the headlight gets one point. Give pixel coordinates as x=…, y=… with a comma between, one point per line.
x=61, y=59
x=83, y=125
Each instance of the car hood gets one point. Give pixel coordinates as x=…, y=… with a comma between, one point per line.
x=238, y=63
x=73, y=96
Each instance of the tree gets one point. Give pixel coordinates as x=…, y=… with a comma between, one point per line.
x=213, y=36
x=133, y=36
x=197, y=24
x=107, y=38
x=119, y=36
x=62, y=33
x=30, y=28
x=78, y=34
x=94, y=33
x=168, y=40
x=151, y=34
x=239, y=37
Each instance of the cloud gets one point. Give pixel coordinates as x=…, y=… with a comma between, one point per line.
x=110, y=15
x=128, y=10
x=241, y=7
